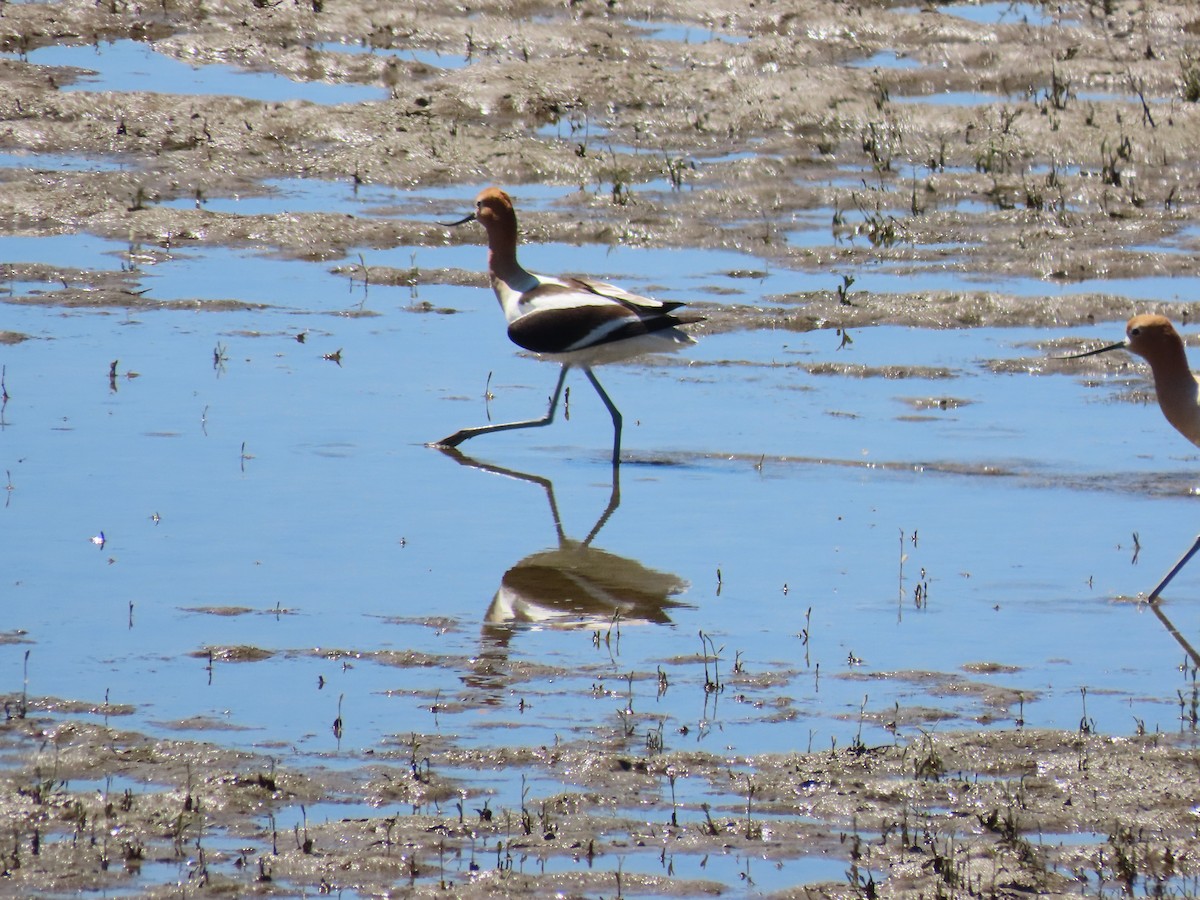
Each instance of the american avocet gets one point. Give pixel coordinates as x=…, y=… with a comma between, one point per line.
x=1155, y=339
x=574, y=321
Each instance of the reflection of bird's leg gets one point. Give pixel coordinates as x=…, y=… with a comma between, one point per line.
x=612, y=411
x=1170, y=626
x=467, y=433
x=545, y=483
x=548, y=487
x=1183, y=561
x=614, y=500
x=614, y=497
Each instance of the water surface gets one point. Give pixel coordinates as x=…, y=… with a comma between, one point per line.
x=127, y=65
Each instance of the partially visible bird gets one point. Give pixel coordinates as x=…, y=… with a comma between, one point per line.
x=1155, y=339
x=571, y=320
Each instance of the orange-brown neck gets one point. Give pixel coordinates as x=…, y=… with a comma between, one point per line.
x=501, y=223
x=1176, y=389
x=502, y=260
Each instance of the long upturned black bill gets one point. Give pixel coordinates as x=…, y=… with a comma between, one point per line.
x=470, y=217
x=1120, y=345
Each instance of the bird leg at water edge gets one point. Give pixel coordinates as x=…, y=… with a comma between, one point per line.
x=612, y=411
x=467, y=433
x=1183, y=561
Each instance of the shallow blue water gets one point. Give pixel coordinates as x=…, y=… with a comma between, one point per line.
x=886, y=59
x=355, y=532
x=127, y=65
x=683, y=33
x=426, y=202
x=1001, y=12
x=61, y=162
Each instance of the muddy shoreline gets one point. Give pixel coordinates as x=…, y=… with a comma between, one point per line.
x=995, y=813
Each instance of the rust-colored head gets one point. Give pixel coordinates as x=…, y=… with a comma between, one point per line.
x=494, y=211
x=1153, y=338
x=494, y=208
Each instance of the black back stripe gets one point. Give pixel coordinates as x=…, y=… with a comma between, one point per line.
x=576, y=328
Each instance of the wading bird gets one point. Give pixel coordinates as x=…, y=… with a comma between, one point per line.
x=1154, y=339
x=571, y=320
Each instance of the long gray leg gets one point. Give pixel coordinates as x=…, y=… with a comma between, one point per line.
x=1183, y=561
x=467, y=433
x=612, y=411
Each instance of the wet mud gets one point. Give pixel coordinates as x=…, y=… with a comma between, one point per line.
x=1075, y=144
x=995, y=814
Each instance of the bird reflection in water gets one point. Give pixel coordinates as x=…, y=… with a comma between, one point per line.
x=1189, y=705
x=571, y=585
x=1156, y=607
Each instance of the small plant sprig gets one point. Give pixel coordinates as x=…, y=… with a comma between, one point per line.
x=712, y=684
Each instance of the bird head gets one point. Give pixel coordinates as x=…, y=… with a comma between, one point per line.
x=1149, y=335
x=492, y=207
